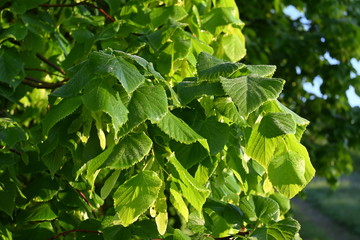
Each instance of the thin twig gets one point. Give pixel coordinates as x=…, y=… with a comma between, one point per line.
x=87, y=201
x=73, y=230
x=51, y=64
x=12, y=150
x=45, y=71
x=111, y=19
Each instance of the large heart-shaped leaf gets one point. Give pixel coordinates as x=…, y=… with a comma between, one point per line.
x=135, y=196
x=249, y=93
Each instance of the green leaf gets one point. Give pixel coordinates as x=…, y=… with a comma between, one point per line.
x=212, y=68
x=11, y=68
x=21, y=6
x=189, y=155
x=42, y=189
x=287, y=168
x=10, y=132
x=5, y=233
x=152, y=101
x=8, y=192
x=40, y=212
x=109, y=184
x=104, y=98
x=178, y=202
x=216, y=133
x=130, y=150
x=293, y=162
x=224, y=218
x=284, y=202
x=161, y=218
x=276, y=124
x=66, y=107
x=117, y=232
x=233, y=45
x=80, y=76
x=94, y=164
x=55, y=159
x=260, y=208
x=103, y=62
x=178, y=130
x=159, y=38
x=261, y=148
x=180, y=235
x=147, y=66
x=262, y=70
x=135, y=196
x=159, y=16
x=190, y=90
x=191, y=190
x=219, y=17
x=249, y=93
x=16, y=31
x=227, y=108
x=285, y=229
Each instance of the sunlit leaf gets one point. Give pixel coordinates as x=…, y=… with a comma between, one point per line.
x=192, y=191
x=135, y=196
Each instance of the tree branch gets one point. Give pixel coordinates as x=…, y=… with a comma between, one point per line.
x=51, y=64
x=33, y=82
x=111, y=19
x=12, y=150
x=73, y=230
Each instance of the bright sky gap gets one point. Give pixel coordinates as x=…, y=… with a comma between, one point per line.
x=354, y=99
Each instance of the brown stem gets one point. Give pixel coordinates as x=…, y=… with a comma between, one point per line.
x=73, y=230
x=45, y=71
x=33, y=82
x=51, y=64
x=111, y=19
x=11, y=150
x=87, y=201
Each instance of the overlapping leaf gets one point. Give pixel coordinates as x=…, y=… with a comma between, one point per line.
x=178, y=130
x=260, y=208
x=294, y=164
x=211, y=68
x=159, y=16
x=249, y=93
x=103, y=62
x=276, y=124
x=261, y=70
x=152, y=101
x=130, y=150
x=191, y=190
x=60, y=111
x=135, y=196
x=261, y=148
x=11, y=68
x=285, y=229
x=104, y=98
x=190, y=90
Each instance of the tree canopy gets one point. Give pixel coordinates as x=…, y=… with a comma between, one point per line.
x=151, y=119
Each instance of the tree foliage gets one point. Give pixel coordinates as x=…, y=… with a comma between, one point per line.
x=322, y=43
x=136, y=120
